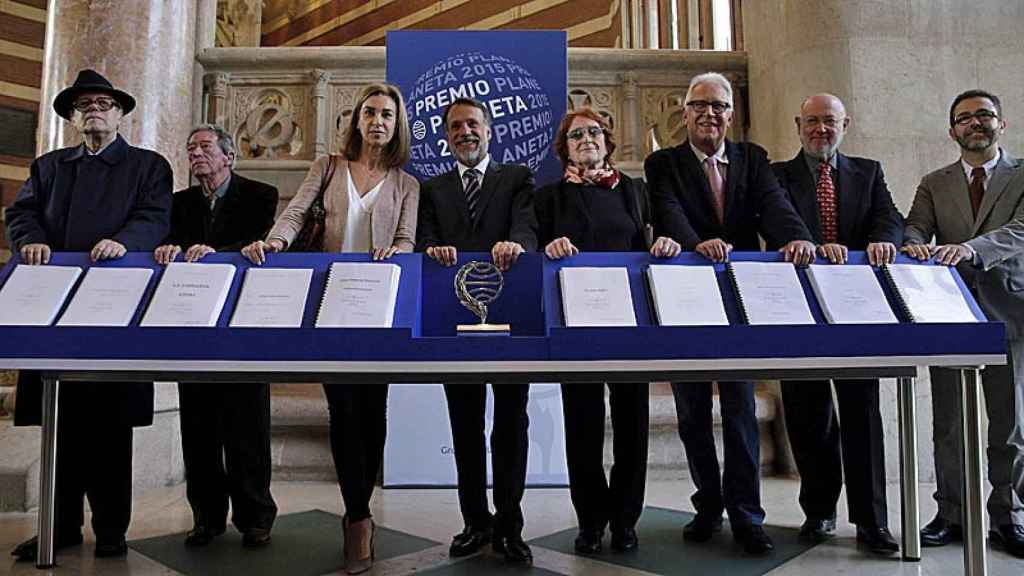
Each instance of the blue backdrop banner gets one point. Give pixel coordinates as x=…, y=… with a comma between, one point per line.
x=520, y=75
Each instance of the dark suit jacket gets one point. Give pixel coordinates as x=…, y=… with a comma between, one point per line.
x=72, y=201
x=504, y=211
x=754, y=201
x=865, y=208
x=562, y=212
x=244, y=214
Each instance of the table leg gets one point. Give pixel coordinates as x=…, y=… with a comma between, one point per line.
x=973, y=482
x=47, y=556
x=909, y=498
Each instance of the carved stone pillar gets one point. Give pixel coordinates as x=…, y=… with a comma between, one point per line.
x=238, y=22
x=147, y=50
x=632, y=137
x=217, y=84
x=321, y=113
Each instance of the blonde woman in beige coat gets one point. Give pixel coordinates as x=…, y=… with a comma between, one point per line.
x=370, y=204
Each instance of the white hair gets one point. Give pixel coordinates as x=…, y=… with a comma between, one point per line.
x=710, y=78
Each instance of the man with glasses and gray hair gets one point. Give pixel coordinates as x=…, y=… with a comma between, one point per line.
x=713, y=195
x=974, y=208
x=225, y=427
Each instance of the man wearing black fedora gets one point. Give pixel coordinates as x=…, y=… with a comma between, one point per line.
x=104, y=197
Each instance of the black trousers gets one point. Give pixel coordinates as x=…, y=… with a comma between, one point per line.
x=225, y=442
x=94, y=460
x=510, y=445
x=599, y=501
x=359, y=426
x=827, y=449
x=738, y=489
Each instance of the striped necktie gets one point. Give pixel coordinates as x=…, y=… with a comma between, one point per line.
x=826, y=193
x=472, y=187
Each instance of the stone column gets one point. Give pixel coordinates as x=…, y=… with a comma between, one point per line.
x=321, y=111
x=897, y=66
x=147, y=51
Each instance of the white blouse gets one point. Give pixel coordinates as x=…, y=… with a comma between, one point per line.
x=358, y=237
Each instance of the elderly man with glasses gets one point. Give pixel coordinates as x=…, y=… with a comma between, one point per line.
x=974, y=208
x=104, y=197
x=712, y=195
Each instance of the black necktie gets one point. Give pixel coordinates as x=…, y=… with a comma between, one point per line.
x=472, y=187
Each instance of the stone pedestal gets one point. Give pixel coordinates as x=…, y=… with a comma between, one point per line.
x=147, y=50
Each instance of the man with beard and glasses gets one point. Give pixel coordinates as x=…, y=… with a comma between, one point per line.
x=974, y=208
x=711, y=194
x=482, y=206
x=225, y=426
x=846, y=205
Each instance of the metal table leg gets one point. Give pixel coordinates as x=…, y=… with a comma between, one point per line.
x=909, y=500
x=973, y=487
x=47, y=556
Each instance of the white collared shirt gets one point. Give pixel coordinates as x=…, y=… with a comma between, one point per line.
x=480, y=167
x=988, y=166
x=720, y=156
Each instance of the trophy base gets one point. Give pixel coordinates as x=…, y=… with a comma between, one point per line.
x=470, y=329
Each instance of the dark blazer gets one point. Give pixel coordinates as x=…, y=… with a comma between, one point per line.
x=244, y=214
x=865, y=208
x=72, y=201
x=562, y=212
x=754, y=201
x=504, y=211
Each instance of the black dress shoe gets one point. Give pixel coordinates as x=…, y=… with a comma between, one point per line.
x=877, y=540
x=754, y=540
x=469, y=541
x=1010, y=537
x=29, y=549
x=624, y=540
x=702, y=527
x=255, y=537
x=111, y=547
x=816, y=531
x=201, y=536
x=940, y=532
x=513, y=549
x=588, y=541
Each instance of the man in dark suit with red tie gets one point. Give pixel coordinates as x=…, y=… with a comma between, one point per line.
x=846, y=205
x=713, y=195
x=481, y=205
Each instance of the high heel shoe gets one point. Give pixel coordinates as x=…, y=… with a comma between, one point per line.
x=360, y=565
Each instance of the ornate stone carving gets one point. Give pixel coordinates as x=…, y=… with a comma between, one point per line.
x=217, y=83
x=238, y=22
x=343, y=102
x=662, y=117
x=270, y=123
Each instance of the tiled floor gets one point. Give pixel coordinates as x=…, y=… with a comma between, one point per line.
x=434, y=514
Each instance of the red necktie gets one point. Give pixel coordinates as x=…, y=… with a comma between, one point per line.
x=977, y=188
x=717, y=186
x=826, y=192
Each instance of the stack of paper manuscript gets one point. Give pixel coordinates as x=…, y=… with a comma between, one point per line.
x=107, y=297
x=686, y=295
x=928, y=293
x=33, y=295
x=190, y=294
x=850, y=294
x=272, y=297
x=770, y=293
x=359, y=295
x=596, y=297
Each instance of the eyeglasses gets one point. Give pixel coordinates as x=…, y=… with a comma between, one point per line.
x=102, y=104
x=702, y=106
x=983, y=116
x=577, y=134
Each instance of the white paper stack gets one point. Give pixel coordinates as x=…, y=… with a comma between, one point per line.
x=929, y=293
x=359, y=295
x=189, y=294
x=272, y=298
x=107, y=297
x=686, y=295
x=596, y=297
x=770, y=293
x=850, y=294
x=33, y=295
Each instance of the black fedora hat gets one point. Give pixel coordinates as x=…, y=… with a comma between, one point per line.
x=90, y=81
